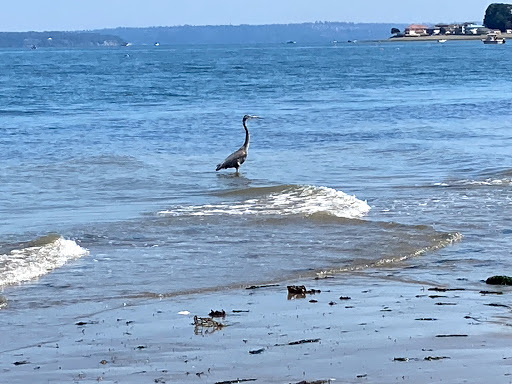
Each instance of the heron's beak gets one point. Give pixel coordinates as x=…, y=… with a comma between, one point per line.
x=256, y=117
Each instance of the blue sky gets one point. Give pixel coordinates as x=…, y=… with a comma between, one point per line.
x=43, y=15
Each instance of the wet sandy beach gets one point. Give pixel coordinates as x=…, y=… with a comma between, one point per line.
x=377, y=327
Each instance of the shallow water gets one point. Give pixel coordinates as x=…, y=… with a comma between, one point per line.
x=367, y=155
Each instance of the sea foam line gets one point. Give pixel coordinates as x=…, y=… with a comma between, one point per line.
x=447, y=240
x=468, y=182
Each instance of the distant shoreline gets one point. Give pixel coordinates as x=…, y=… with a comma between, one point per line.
x=441, y=37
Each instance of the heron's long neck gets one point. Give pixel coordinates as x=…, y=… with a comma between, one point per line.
x=247, y=137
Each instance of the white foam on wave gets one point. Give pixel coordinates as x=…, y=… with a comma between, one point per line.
x=25, y=264
x=486, y=182
x=300, y=200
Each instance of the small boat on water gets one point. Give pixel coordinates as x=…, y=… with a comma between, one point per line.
x=441, y=41
x=494, y=38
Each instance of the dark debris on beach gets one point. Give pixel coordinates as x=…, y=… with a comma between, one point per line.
x=235, y=381
x=301, y=290
x=82, y=323
x=314, y=382
x=21, y=362
x=298, y=342
x=262, y=286
x=452, y=335
x=440, y=289
x=221, y=313
x=427, y=358
x=491, y=292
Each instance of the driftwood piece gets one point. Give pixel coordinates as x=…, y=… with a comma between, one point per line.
x=433, y=358
x=491, y=293
x=303, y=341
x=235, y=381
x=440, y=289
x=262, y=286
x=314, y=382
x=22, y=362
x=427, y=358
x=82, y=323
x=452, y=335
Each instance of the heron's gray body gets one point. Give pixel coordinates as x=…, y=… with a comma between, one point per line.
x=237, y=158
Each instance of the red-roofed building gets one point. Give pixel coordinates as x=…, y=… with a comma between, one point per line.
x=416, y=30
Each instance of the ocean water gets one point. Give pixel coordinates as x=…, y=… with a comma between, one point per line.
x=367, y=155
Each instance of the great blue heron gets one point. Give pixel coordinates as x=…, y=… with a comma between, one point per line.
x=236, y=159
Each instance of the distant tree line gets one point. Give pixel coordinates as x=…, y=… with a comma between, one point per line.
x=305, y=33
x=57, y=39
x=319, y=32
x=498, y=16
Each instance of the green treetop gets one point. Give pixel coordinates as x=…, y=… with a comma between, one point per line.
x=498, y=16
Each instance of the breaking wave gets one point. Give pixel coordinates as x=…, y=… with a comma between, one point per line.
x=37, y=258
x=285, y=200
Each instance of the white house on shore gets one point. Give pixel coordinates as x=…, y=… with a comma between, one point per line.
x=473, y=29
x=470, y=28
x=416, y=30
